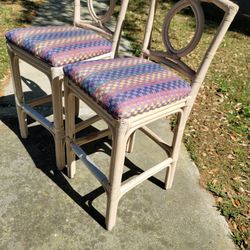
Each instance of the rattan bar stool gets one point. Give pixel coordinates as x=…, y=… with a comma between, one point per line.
x=49, y=49
x=130, y=93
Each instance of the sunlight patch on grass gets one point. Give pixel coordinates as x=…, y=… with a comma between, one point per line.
x=13, y=15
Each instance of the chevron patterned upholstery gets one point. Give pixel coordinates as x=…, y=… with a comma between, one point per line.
x=128, y=86
x=59, y=45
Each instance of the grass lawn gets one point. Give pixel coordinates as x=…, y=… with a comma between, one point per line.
x=13, y=14
x=7, y=12
x=218, y=131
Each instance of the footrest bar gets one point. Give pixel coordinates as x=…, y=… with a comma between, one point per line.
x=92, y=137
x=93, y=168
x=38, y=117
x=145, y=175
x=40, y=100
x=153, y=136
x=84, y=124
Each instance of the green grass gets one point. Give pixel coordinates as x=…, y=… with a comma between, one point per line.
x=13, y=14
x=218, y=131
x=7, y=12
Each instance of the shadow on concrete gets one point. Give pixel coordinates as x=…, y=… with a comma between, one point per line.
x=55, y=12
x=40, y=147
x=40, y=143
x=51, y=10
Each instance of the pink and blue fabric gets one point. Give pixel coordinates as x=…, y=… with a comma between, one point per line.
x=126, y=87
x=59, y=45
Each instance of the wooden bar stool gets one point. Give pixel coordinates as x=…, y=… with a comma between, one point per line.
x=49, y=49
x=130, y=93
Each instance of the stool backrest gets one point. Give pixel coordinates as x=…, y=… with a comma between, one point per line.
x=172, y=57
x=98, y=23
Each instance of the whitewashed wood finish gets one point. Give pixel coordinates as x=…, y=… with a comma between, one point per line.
x=55, y=75
x=122, y=130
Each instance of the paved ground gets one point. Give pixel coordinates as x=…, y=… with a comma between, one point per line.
x=40, y=208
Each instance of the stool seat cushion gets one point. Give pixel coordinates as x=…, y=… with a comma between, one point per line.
x=59, y=45
x=126, y=87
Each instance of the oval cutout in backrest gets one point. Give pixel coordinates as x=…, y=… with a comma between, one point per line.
x=105, y=10
x=183, y=5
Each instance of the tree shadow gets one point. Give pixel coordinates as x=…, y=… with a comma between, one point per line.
x=213, y=17
x=29, y=9
x=42, y=12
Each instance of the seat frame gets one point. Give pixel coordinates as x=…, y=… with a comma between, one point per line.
x=55, y=76
x=123, y=131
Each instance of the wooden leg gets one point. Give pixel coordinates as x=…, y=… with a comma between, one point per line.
x=59, y=137
x=115, y=176
x=178, y=134
x=70, y=130
x=110, y=136
x=130, y=144
x=18, y=92
x=77, y=107
x=170, y=175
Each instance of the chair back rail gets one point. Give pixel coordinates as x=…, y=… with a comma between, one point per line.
x=98, y=23
x=172, y=57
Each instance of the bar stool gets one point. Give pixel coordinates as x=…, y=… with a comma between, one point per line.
x=130, y=93
x=49, y=49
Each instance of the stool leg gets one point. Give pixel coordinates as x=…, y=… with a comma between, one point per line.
x=115, y=176
x=70, y=130
x=59, y=137
x=18, y=92
x=178, y=134
x=77, y=107
x=131, y=142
